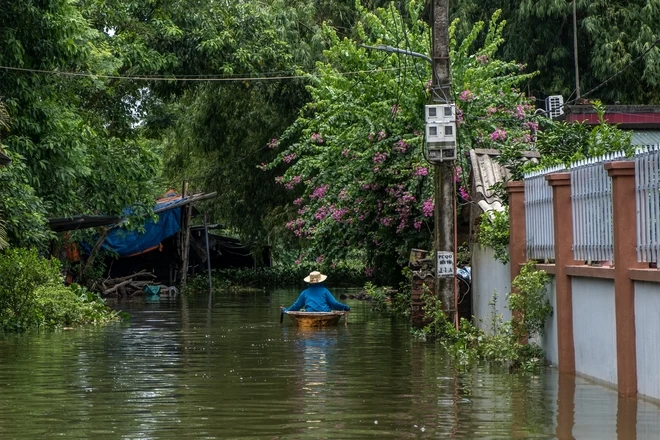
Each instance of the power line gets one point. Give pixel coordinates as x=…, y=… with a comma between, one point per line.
x=183, y=78
x=655, y=43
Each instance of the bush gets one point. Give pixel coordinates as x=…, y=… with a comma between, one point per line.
x=276, y=276
x=32, y=295
x=494, y=233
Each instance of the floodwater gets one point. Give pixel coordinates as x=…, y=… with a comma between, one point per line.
x=223, y=367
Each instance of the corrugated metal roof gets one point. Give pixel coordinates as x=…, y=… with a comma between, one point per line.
x=646, y=137
x=486, y=172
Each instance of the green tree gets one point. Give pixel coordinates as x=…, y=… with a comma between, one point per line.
x=354, y=158
x=63, y=145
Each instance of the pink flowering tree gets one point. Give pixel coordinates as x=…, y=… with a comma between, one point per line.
x=492, y=111
x=354, y=158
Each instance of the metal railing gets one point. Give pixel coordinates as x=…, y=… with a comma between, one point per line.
x=647, y=183
x=591, y=200
x=539, y=224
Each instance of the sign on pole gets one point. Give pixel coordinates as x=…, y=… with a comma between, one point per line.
x=445, y=264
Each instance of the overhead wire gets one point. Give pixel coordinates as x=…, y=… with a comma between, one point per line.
x=183, y=78
x=617, y=73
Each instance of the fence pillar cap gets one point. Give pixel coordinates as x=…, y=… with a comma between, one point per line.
x=620, y=168
x=558, y=179
x=515, y=186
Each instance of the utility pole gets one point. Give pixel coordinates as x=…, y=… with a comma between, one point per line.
x=575, y=53
x=444, y=215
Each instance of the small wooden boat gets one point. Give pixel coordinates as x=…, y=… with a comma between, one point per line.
x=316, y=319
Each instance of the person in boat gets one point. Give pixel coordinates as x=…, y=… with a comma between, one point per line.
x=316, y=298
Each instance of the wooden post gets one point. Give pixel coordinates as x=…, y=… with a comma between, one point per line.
x=184, y=238
x=208, y=253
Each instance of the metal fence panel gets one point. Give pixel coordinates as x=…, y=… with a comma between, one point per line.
x=647, y=181
x=539, y=224
x=591, y=200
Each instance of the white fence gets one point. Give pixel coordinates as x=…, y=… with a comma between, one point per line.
x=591, y=200
x=647, y=180
x=539, y=224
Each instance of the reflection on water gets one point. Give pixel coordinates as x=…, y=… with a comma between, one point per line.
x=223, y=367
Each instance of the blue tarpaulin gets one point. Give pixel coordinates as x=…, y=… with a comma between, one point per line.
x=125, y=242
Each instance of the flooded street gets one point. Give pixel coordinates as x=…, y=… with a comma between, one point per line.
x=225, y=368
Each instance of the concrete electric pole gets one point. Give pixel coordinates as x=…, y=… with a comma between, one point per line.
x=444, y=214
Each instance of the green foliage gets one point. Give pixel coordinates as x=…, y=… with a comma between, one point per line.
x=380, y=296
x=565, y=143
x=276, y=276
x=32, y=295
x=529, y=304
x=468, y=344
x=494, y=233
x=611, y=34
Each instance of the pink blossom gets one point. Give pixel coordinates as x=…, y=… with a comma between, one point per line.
x=498, y=134
x=386, y=221
x=483, y=59
x=345, y=152
x=317, y=139
x=418, y=224
x=466, y=96
x=381, y=135
x=262, y=167
x=428, y=207
x=459, y=116
x=395, y=110
x=400, y=146
x=321, y=213
x=380, y=157
x=319, y=192
x=298, y=201
x=320, y=259
x=272, y=143
x=293, y=182
x=422, y=171
x=370, y=136
x=464, y=194
x=457, y=177
x=289, y=157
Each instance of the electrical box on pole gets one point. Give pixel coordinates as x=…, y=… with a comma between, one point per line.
x=440, y=132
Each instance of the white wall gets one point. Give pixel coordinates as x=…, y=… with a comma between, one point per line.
x=594, y=328
x=549, y=342
x=647, y=329
x=489, y=276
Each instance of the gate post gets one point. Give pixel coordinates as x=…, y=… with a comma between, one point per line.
x=624, y=220
x=562, y=215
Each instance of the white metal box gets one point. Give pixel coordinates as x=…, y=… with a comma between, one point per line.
x=440, y=132
x=440, y=151
x=442, y=113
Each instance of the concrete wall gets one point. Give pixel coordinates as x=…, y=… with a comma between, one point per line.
x=594, y=328
x=549, y=341
x=489, y=276
x=647, y=329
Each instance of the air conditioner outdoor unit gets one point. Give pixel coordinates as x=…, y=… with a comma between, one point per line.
x=554, y=106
